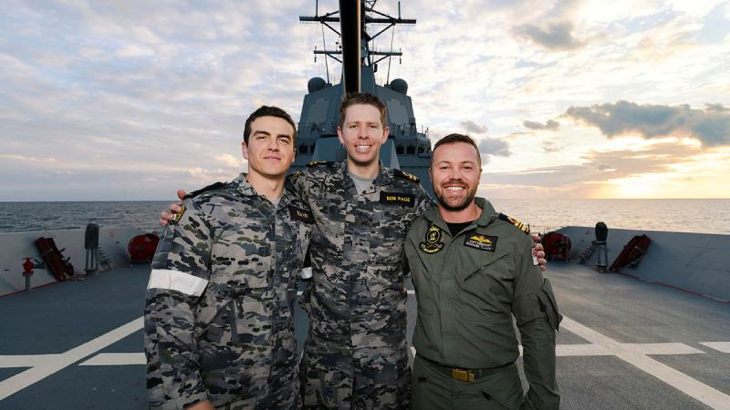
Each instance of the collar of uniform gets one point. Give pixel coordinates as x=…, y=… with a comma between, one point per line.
x=488, y=215
x=385, y=174
x=246, y=189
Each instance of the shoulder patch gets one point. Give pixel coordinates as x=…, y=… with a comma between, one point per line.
x=201, y=190
x=316, y=163
x=519, y=225
x=295, y=174
x=178, y=215
x=404, y=174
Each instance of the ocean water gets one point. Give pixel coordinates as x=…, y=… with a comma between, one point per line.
x=679, y=215
x=39, y=216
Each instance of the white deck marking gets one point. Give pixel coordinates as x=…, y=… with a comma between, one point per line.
x=635, y=354
x=115, y=359
x=28, y=360
x=719, y=346
x=57, y=363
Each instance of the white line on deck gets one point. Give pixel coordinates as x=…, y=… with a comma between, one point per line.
x=115, y=359
x=57, y=363
x=719, y=346
x=629, y=353
x=601, y=345
x=26, y=360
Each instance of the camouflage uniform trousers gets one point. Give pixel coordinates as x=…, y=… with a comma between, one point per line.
x=284, y=394
x=340, y=378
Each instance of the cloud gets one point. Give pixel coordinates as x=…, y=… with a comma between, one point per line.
x=710, y=125
x=554, y=36
x=27, y=158
x=230, y=161
x=596, y=167
x=550, y=146
x=551, y=125
x=494, y=147
x=474, y=128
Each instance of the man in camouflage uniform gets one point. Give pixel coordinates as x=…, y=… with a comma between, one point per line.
x=473, y=270
x=219, y=329
x=356, y=351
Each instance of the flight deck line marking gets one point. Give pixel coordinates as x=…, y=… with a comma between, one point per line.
x=54, y=364
x=115, y=359
x=723, y=347
x=638, y=358
x=26, y=360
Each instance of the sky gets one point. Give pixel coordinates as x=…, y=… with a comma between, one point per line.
x=131, y=100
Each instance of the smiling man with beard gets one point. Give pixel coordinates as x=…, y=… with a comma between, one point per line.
x=473, y=270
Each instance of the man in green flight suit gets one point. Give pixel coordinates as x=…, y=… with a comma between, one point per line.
x=473, y=270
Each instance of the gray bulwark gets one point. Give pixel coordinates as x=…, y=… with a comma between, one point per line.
x=694, y=262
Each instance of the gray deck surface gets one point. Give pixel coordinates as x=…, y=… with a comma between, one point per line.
x=615, y=326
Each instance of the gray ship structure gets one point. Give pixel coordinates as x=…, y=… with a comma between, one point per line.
x=407, y=148
x=652, y=336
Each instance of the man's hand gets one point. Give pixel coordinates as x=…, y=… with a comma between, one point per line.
x=539, y=252
x=203, y=405
x=172, y=210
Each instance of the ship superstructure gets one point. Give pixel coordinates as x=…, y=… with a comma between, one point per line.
x=407, y=148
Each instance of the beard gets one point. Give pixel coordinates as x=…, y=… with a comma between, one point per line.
x=455, y=205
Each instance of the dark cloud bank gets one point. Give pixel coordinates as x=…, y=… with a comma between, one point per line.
x=554, y=36
x=710, y=125
x=550, y=125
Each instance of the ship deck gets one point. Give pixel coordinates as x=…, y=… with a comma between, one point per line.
x=623, y=344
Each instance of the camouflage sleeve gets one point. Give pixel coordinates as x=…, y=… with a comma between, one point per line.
x=537, y=317
x=298, y=184
x=424, y=202
x=180, y=273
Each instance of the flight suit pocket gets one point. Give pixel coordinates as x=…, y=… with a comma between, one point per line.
x=549, y=305
x=486, y=267
x=485, y=290
x=501, y=390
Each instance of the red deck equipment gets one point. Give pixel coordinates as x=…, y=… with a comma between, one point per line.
x=142, y=248
x=632, y=253
x=60, y=267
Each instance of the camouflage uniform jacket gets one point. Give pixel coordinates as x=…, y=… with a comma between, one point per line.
x=218, y=319
x=357, y=297
x=468, y=288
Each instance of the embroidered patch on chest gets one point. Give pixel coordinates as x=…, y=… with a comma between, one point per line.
x=432, y=243
x=481, y=242
x=301, y=214
x=395, y=198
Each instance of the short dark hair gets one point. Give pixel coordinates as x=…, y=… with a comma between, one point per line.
x=268, y=111
x=362, y=98
x=454, y=138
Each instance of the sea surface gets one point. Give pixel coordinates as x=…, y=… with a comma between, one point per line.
x=679, y=215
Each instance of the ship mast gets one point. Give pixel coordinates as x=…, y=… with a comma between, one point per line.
x=355, y=50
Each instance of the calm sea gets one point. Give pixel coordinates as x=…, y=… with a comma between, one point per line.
x=682, y=215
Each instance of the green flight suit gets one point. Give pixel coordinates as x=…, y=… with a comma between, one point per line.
x=468, y=289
